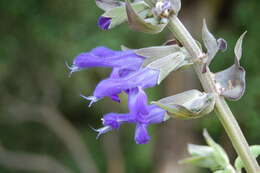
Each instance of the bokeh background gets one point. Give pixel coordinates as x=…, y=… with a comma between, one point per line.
x=45, y=124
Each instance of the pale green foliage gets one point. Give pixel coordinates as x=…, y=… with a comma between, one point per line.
x=212, y=156
x=255, y=151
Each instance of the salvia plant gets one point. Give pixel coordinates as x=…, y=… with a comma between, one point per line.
x=134, y=70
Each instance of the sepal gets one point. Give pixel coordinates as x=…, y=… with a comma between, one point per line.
x=212, y=44
x=138, y=23
x=118, y=14
x=108, y=4
x=230, y=82
x=188, y=105
x=164, y=59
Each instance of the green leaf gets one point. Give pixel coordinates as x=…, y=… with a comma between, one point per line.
x=255, y=151
x=188, y=105
x=202, y=156
x=218, y=152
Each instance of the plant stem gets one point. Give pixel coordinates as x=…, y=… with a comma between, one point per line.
x=222, y=109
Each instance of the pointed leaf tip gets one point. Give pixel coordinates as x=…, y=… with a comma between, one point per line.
x=238, y=47
x=210, y=42
x=219, y=153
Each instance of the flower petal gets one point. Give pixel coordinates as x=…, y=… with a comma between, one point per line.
x=141, y=134
x=104, y=57
x=137, y=103
x=114, y=120
x=143, y=78
x=104, y=22
x=156, y=115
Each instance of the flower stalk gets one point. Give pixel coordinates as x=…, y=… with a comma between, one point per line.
x=222, y=109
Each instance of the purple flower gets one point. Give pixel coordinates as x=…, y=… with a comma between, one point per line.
x=140, y=113
x=122, y=62
x=111, y=87
x=141, y=134
x=104, y=22
x=126, y=74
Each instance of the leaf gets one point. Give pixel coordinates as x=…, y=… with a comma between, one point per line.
x=212, y=156
x=202, y=156
x=188, y=105
x=139, y=24
x=255, y=151
x=231, y=82
x=210, y=43
x=108, y=4
x=219, y=153
x=118, y=15
x=199, y=150
x=200, y=161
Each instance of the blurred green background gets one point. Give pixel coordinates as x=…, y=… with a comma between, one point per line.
x=45, y=124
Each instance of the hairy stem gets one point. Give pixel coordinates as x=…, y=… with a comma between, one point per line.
x=222, y=109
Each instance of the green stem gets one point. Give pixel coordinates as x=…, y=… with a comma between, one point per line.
x=222, y=110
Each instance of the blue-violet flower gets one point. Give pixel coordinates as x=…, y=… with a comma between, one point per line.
x=126, y=74
x=140, y=113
